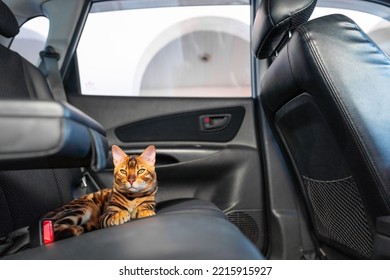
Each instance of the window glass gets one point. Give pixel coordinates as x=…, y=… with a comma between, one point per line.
x=187, y=51
x=31, y=39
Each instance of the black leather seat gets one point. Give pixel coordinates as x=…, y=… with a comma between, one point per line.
x=195, y=226
x=326, y=95
x=19, y=79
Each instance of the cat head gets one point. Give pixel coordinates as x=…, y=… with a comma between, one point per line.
x=134, y=175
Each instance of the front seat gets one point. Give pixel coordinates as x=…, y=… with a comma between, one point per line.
x=326, y=96
x=21, y=191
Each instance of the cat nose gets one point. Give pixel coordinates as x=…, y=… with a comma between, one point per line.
x=131, y=180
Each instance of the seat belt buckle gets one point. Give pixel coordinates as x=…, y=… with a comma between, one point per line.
x=46, y=231
x=42, y=232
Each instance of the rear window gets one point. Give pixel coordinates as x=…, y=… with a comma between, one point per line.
x=186, y=51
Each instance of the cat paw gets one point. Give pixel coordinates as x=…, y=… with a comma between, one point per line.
x=65, y=231
x=115, y=219
x=146, y=213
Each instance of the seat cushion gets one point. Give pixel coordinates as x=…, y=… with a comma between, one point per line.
x=186, y=236
x=188, y=205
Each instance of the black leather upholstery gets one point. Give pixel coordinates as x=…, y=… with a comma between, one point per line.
x=20, y=80
x=348, y=81
x=274, y=20
x=58, y=135
x=182, y=229
x=189, y=205
x=191, y=236
x=326, y=95
x=22, y=192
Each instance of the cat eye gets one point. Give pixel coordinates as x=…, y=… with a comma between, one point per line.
x=140, y=171
x=123, y=171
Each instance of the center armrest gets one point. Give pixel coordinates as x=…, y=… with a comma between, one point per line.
x=48, y=134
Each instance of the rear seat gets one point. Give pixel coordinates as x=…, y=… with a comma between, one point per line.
x=182, y=229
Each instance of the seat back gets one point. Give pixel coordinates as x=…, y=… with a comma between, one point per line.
x=19, y=79
x=26, y=195
x=326, y=98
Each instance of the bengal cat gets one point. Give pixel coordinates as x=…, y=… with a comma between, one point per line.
x=132, y=197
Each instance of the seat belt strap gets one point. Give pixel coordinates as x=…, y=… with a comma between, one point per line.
x=14, y=241
x=50, y=60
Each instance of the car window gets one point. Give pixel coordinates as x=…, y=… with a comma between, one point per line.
x=31, y=39
x=185, y=51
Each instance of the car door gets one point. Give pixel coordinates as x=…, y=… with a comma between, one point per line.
x=190, y=96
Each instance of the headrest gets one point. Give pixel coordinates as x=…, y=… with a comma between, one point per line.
x=9, y=27
x=274, y=20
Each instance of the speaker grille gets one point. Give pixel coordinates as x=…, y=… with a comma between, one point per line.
x=249, y=222
x=339, y=213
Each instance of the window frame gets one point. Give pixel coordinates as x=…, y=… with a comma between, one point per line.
x=75, y=82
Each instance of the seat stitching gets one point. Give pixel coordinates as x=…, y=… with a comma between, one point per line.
x=355, y=134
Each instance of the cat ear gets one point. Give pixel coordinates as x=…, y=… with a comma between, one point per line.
x=117, y=154
x=149, y=154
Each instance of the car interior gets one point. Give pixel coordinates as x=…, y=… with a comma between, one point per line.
x=297, y=170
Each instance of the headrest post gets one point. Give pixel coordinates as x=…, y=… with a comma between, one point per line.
x=274, y=22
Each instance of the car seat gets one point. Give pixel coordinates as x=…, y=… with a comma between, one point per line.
x=325, y=95
x=39, y=172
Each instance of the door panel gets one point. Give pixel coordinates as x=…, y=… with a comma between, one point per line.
x=217, y=125
x=114, y=112
x=225, y=171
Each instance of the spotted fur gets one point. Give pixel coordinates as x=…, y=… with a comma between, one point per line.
x=132, y=197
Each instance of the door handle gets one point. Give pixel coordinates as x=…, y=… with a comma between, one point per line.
x=209, y=123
